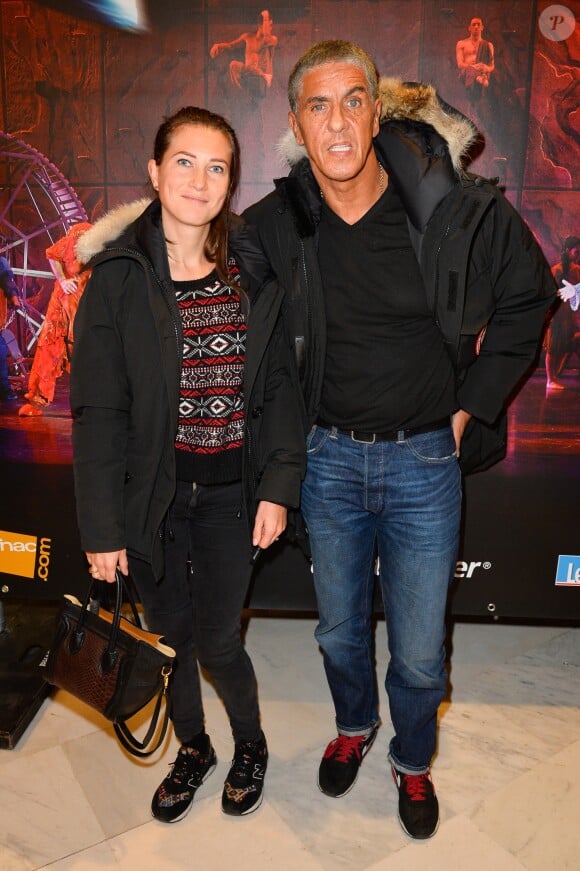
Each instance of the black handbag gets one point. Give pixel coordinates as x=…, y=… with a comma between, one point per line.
x=111, y=664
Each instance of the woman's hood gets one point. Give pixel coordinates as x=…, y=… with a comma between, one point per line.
x=109, y=228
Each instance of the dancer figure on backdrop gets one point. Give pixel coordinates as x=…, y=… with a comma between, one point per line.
x=570, y=293
x=395, y=263
x=10, y=297
x=562, y=338
x=55, y=340
x=475, y=60
x=255, y=73
x=187, y=437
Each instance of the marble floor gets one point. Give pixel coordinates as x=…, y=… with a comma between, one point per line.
x=507, y=773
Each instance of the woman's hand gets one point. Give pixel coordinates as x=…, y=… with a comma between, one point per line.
x=270, y=524
x=103, y=566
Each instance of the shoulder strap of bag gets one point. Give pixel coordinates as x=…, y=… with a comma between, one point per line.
x=141, y=748
x=128, y=740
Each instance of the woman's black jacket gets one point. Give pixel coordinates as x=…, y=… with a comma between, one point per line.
x=125, y=394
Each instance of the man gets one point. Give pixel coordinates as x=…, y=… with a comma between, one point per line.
x=257, y=68
x=9, y=297
x=475, y=59
x=395, y=263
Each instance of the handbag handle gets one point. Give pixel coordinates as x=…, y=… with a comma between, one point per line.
x=110, y=654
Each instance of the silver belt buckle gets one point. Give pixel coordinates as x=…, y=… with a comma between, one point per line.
x=363, y=441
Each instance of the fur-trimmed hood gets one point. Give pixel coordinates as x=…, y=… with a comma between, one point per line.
x=108, y=228
x=412, y=102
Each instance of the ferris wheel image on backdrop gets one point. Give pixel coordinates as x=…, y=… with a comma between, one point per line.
x=37, y=207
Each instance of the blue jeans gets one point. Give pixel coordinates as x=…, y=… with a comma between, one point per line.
x=401, y=500
x=198, y=603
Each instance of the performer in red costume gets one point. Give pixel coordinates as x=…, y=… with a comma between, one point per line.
x=55, y=341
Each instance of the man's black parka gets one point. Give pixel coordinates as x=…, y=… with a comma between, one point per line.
x=487, y=282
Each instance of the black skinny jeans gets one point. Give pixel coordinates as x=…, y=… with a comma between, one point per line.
x=198, y=603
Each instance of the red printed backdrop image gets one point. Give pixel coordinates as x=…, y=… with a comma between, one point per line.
x=83, y=92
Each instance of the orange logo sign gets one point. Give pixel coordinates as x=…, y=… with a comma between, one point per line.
x=17, y=553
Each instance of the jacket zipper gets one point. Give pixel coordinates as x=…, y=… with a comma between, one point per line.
x=306, y=284
x=436, y=298
x=308, y=350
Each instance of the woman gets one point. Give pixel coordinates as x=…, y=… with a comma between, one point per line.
x=186, y=430
x=562, y=336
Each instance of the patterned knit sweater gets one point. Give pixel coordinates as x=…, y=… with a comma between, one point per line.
x=211, y=409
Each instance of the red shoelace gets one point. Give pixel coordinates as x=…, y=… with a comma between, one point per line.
x=344, y=747
x=416, y=786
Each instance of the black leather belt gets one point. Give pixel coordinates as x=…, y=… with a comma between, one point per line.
x=369, y=438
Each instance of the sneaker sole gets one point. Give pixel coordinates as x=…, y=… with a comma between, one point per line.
x=189, y=806
x=339, y=794
x=417, y=837
x=367, y=747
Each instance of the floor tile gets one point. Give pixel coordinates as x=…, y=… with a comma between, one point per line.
x=506, y=772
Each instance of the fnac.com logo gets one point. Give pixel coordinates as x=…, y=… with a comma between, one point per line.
x=568, y=571
x=18, y=554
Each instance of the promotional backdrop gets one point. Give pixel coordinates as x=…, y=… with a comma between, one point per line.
x=83, y=92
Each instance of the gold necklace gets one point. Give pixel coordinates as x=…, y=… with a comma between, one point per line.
x=381, y=182
x=381, y=179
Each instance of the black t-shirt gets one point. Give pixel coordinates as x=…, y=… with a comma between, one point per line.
x=386, y=365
